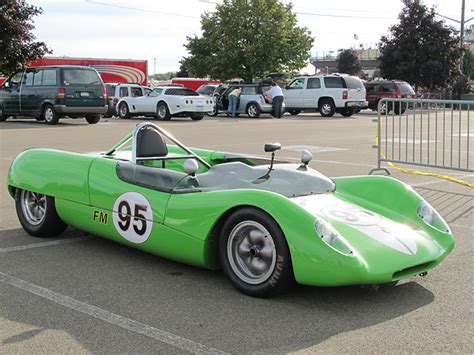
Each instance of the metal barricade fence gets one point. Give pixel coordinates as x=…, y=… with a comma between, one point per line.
x=428, y=133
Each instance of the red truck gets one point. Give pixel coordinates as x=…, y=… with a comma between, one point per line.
x=193, y=83
x=110, y=70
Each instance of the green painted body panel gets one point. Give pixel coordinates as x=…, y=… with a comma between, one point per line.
x=52, y=172
x=183, y=227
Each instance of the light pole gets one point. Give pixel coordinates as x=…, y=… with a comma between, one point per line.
x=154, y=65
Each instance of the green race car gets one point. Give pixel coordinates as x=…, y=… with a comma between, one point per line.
x=265, y=223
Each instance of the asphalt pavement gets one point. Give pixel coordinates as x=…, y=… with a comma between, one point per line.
x=78, y=293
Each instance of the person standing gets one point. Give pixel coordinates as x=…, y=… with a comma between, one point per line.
x=233, y=97
x=276, y=94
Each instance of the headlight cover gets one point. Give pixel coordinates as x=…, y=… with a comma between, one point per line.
x=332, y=238
x=431, y=217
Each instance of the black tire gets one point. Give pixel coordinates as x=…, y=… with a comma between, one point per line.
x=3, y=117
x=162, y=111
x=347, y=112
x=327, y=108
x=399, y=110
x=294, y=112
x=123, y=110
x=252, y=110
x=49, y=225
x=197, y=116
x=279, y=274
x=49, y=114
x=92, y=119
x=214, y=112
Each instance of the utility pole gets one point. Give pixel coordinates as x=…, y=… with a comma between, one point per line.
x=462, y=22
x=154, y=64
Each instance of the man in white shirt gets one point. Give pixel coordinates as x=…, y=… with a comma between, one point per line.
x=276, y=94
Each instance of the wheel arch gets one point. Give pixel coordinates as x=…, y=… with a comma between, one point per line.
x=326, y=98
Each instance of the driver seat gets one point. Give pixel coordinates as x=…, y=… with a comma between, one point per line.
x=150, y=143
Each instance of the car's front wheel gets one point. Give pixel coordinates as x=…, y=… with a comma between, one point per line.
x=254, y=253
x=3, y=116
x=37, y=214
x=50, y=115
x=123, y=110
x=92, y=119
x=253, y=111
x=163, y=112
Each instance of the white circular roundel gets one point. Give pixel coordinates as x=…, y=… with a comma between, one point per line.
x=351, y=215
x=133, y=217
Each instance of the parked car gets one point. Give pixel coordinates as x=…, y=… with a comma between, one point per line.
x=49, y=93
x=251, y=102
x=207, y=89
x=379, y=89
x=327, y=94
x=268, y=225
x=165, y=102
x=116, y=91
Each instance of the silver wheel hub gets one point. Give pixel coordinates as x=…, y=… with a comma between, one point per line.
x=48, y=114
x=252, y=111
x=326, y=108
x=123, y=110
x=251, y=252
x=162, y=111
x=33, y=206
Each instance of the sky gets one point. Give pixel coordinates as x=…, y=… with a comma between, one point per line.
x=155, y=30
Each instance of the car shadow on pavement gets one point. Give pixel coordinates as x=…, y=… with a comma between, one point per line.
x=193, y=303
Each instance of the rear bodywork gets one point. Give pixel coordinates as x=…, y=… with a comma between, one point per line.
x=375, y=216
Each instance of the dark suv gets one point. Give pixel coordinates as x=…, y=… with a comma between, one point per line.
x=379, y=89
x=48, y=93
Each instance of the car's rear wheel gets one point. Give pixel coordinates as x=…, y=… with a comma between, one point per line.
x=123, y=110
x=197, y=116
x=37, y=214
x=347, y=112
x=294, y=112
x=253, y=111
x=327, y=108
x=50, y=115
x=92, y=119
x=3, y=117
x=383, y=107
x=163, y=112
x=254, y=253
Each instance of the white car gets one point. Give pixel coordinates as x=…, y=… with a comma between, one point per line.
x=327, y=94
x=166, y=102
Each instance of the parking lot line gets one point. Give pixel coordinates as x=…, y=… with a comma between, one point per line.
x=109, y=317
x=44, y=244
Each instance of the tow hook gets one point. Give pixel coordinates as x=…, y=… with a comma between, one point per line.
x=424, y=273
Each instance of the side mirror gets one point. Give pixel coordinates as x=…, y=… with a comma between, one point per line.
x=190, y=167
x=306, y=157
x=271, y=147
x=287, y=87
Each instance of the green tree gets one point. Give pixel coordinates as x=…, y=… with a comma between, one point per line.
x=420, y=49
x=17, y=42
x=347, y=62
x=468, y=64
x=183, y=70
x=247, y=39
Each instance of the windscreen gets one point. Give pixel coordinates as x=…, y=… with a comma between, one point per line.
x=206, y=90
x=406, y=88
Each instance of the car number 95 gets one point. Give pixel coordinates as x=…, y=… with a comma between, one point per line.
x=133, y=217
